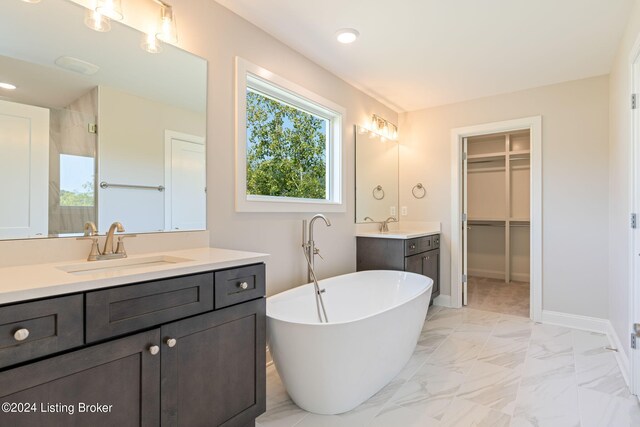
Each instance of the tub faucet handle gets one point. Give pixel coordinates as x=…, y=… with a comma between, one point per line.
x=316, y=251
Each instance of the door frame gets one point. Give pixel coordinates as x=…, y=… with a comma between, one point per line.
x=169, y=136
x=534, y=125
x=634, y=204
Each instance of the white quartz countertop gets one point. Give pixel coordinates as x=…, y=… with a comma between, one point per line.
x=399, y=234
x=47, y=280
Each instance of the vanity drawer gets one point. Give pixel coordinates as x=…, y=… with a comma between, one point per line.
x=125, y=309
x=415, y=246
x=411, y=247
x=239, y=284
x=53, y=325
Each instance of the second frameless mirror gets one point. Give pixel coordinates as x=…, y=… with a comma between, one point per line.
x=376, y=176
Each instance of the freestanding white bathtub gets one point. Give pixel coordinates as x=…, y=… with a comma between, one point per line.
x=375, y=319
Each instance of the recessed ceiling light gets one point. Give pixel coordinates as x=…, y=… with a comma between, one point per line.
x=31, y=1
x=7, y=86
x=347, y=35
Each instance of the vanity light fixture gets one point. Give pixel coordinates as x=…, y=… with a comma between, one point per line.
x=97, y=21
x=383, y=128
x=347, y=35
x=110, y=8
x=167, y=30
x=7, y=86
x=150, y=43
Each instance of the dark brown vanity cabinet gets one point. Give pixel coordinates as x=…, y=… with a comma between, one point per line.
x=122, y=376
x=215, y=373
x=174, y=368
x=420, y=255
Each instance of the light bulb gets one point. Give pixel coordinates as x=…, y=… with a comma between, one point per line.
x=167, y=26
x=150, y=43
x=110, y=8
x=97, y=21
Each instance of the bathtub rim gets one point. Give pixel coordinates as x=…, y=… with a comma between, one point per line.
x=392, y=307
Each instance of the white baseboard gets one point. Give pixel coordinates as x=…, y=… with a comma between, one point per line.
x=621, y=356
x=592, y=324
x=442, y=301
x=586, y=323
x=490, y=274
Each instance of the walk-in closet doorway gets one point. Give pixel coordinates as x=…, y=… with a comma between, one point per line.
x=496, y=217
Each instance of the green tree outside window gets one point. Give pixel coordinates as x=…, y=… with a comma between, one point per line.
x=286, y=150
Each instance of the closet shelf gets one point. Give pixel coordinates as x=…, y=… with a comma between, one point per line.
x=487, y=219
x=487, y=157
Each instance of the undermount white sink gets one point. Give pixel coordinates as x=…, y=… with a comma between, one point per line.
x=116, y=265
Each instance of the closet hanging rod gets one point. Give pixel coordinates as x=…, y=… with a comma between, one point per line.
x=485, y=161
x=486, y=225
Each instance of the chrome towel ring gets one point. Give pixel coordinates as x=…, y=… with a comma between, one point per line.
x=378, y=192
x=422, y=191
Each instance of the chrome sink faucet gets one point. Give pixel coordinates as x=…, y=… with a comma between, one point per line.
x=95, y=254
x=108, y=243
x=384, y=225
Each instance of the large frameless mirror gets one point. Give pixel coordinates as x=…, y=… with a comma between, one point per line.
x=93, y=128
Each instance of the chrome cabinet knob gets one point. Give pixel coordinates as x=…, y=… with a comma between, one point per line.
x=154, y=349
x=21, y=334
x=243, y=285
x=171, y=342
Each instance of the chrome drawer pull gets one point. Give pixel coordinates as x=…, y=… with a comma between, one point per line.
x=171, y=342
x=21, y=334
x=243, y=285
x=154, y=349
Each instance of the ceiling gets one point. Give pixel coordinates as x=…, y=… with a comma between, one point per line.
x=415, y=54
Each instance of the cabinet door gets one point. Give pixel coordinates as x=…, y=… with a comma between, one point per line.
x=431, y=268
x=122, y=376
x=413, y=263
x=214, y=374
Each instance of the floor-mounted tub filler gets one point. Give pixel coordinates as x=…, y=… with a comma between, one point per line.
x=375, y=321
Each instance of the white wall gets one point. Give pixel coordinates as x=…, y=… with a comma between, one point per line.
x=215, y=33
x=575, y=182
x=619, y=179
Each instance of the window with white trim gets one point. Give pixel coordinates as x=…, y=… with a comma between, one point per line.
x=288, y=146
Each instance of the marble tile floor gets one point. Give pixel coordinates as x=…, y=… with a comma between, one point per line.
x=498, y=296
x=480, y=368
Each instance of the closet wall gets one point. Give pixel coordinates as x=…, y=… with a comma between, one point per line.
x=498, y=201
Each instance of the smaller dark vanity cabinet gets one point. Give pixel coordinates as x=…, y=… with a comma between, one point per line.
x=182, y=351
x=419, y=255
